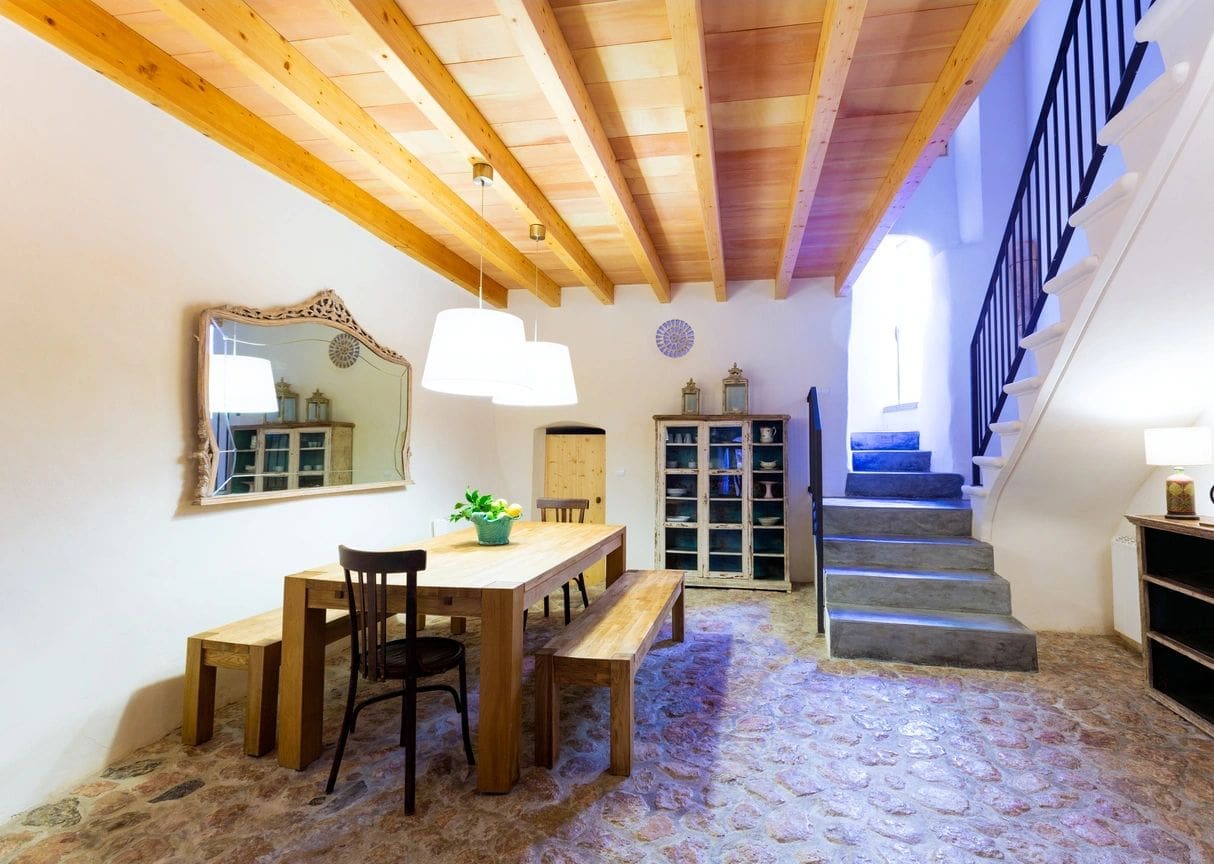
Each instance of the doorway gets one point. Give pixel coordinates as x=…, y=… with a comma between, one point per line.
x=575, y=466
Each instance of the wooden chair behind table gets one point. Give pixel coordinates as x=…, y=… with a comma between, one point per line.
x=565, y=510
x=376, y=658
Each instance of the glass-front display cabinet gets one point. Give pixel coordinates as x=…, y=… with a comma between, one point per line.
x=721, y=506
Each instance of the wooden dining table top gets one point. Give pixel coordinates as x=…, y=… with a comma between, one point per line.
x=535, y=551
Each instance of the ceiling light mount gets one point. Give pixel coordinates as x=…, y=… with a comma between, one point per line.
x=482, y=174
x=538, y=232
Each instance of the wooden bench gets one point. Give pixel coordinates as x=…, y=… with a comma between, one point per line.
x=604, y=646
x=255, y=645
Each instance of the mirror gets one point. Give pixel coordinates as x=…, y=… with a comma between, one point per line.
x=297, y=401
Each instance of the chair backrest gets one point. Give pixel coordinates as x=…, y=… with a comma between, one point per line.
x=563, y=509
x=367, y=591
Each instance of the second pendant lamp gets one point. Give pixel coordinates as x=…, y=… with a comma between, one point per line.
x=546, y=365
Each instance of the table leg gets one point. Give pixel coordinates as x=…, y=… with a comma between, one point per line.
x=301, y=678
x=499, y=737
x=617, y=560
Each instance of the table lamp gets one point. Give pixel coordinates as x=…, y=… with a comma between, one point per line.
x=1179, y=448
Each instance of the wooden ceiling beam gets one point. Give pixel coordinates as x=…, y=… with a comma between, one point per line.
x=91, y=35
x=836, y=44
x=687, y=30
x=538, y=36
x=243, y=38
x=411, y=63
x=992, y=28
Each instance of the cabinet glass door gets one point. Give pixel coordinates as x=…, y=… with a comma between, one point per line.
x=680, y=485
x=244, y=460
x=768, y=541
x=726, y=501
x=312, y=447
x=276, y=461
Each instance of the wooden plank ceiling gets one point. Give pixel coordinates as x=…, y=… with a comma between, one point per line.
x=660, y=142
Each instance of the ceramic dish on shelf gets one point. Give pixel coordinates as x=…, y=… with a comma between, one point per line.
x=673, y=463
x=768, y=466
x=676, y=493
x=678, y=518
x=768, y=520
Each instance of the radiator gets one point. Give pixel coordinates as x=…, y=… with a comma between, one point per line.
x=1127, y=618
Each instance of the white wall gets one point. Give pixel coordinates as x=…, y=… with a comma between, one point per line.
x=117, y=226
x=784, y=348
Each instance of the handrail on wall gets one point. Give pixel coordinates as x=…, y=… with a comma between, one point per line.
x=1093, y=73
x=815, y=497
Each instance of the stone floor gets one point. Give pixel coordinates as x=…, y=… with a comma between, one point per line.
x=751, y=747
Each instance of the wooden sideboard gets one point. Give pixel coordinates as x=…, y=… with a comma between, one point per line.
x=1176, y=578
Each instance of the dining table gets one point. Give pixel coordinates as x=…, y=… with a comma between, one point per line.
x=462, y=579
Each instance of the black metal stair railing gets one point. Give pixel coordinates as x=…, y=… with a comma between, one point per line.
x=815, y=497
x=1093, y=73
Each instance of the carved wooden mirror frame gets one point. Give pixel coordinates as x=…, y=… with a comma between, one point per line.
x=324, y=308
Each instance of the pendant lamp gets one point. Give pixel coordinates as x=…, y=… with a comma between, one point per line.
x=547, y=366
x=476, y=352
x=237, y=384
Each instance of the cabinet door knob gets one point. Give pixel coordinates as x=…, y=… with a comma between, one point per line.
x=598, y=499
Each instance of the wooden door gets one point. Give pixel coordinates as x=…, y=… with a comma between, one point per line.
x=575, y=466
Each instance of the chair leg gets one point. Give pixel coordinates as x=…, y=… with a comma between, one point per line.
x=581, y=585
x=347, y=723
x=545, y=606
x=463, y=700
x=547, y=712
x=565, y=589
x=409, y=727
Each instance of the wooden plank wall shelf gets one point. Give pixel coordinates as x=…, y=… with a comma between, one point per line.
x=1176, y=577
x=721, y=510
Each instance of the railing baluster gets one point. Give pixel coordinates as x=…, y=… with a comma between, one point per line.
x=1059, y=171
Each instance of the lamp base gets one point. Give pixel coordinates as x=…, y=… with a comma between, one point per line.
x=1181, y=496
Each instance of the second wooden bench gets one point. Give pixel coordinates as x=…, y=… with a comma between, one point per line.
x=604, y=646
x=253, y=644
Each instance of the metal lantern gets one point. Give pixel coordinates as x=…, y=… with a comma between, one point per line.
x=735, y=398
x=288, y=402
x=691, y=397
x=318, y=407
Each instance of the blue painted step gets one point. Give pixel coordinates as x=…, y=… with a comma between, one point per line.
x=885, y=440
x=891, y=460
x=903, y=484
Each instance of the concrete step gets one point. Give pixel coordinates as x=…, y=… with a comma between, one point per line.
x=968, y=639
x=940, y=590
x=1182, y=28
x=903, y=484
x=891, y=460
x=885, y=440
x=1102, y=216
x=1139, y=128
x=907, y=552
x=949, y=517
x=1071, y=285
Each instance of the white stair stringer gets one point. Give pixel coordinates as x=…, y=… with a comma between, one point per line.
x=1070, y=286
x=1079, y=288
x=1138, y=129
x=1103, y=215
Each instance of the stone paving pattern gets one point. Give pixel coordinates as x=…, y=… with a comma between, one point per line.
x=751, y=747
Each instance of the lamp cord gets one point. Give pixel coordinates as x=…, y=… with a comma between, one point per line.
x=480, y=266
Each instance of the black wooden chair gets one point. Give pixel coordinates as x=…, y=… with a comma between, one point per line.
x=564, y=510
x=376, y=658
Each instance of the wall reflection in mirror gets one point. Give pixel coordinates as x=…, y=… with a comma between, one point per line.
x=307, y=407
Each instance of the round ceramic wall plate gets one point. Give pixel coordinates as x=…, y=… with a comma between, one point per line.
x=675, y=337
x=343, y=350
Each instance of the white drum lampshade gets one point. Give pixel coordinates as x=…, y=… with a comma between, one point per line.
x=1179, y=448
x=551, y=373
x=237, y=384
x=476, y=352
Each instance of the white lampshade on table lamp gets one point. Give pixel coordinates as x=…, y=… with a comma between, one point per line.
x=1179, y=448
x=237, y=384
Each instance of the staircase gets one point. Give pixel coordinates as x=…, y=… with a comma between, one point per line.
x=904, y=580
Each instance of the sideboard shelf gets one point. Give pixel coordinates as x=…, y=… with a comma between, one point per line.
x=1176, y=578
